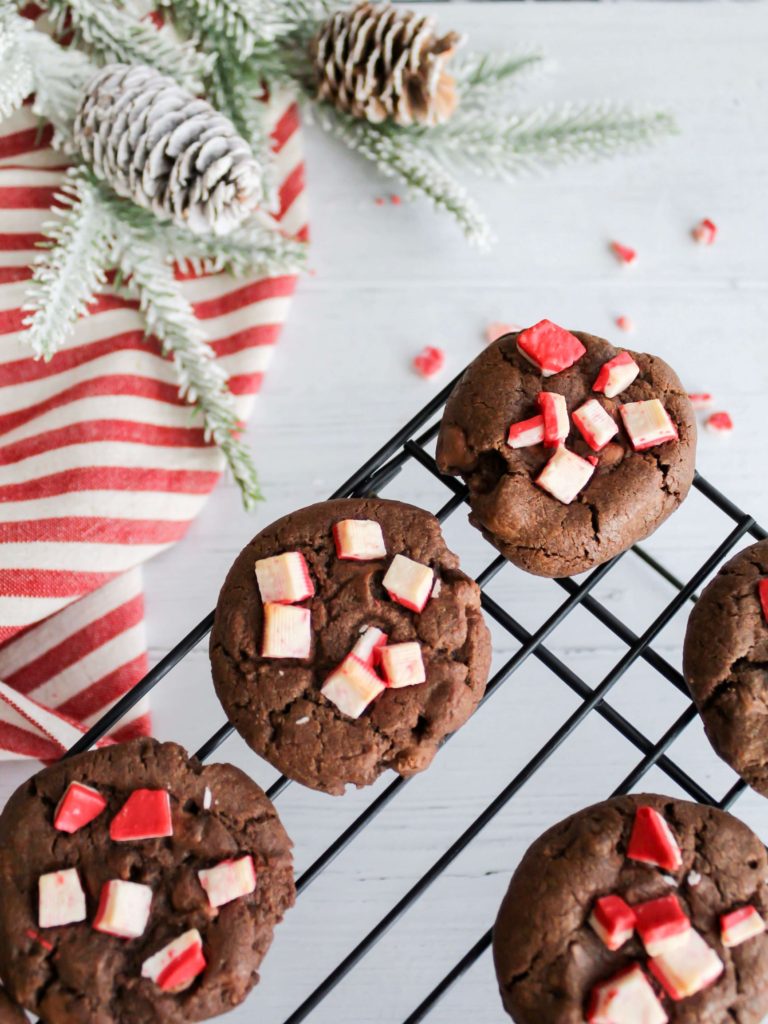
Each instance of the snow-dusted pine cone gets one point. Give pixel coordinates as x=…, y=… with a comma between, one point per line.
x=379, y=62
x=168, y=151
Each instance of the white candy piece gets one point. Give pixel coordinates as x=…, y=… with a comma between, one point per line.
x=565, y=475
x=372, y=638
x=352, y=686
x=284, y=579
x=408, y=583
x=403, y=664
x=647, y=424
x=228, y=880
x=158, y=965
x=61, y=899
x=627, y=998
x=207, y=799
x=123, y=909
x=287, y=631
x=687, y=968
x=359, y=540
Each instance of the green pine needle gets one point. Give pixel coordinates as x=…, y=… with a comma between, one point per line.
x=71, y=270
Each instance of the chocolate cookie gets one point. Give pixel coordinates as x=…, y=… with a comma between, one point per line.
x=10, y=1012
x=598, y=495
x=725, y=663
x=642, y=908
x=347, y=641
x=138, y=886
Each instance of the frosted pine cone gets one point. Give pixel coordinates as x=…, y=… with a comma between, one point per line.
x=381, y=63
x=168, y=151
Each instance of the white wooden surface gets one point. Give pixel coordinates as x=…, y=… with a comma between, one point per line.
x=391, y=279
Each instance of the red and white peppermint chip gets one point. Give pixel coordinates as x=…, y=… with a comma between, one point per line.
x=652, y=841
x=701, y=399
x=124, y=909
x=616, y=375
x=429, y=362
x=613, y=920
x=705, y=232
x=595, y=424
x=740, y=925
x=284, y=579
x=402, y=664
x=409, y=583
x=687, y=968
x=626, y=998
x=287, y=631
x=146, y=814
x=61, y=899
x=648, y=423
x=78, y=807
x=228, y=880
x=719, y=423
x=359, y=540
x=549, y=348
x=526, y=433
x=565, y=475
x=554, y=410
x=661, y=924
x=352, y=686
x=176, y=965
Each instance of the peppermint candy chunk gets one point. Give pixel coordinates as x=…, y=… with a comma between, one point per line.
x=565, y=475
x=740, y=925
x=369, y=643
x=556, y=423
x=526, y=432
x=549, y=348
x=661, y=924
x=402, y=664
x=595, y=424
x=626, y=998
x=124, y=909
x=762, y=593
x=648, y=423
x=359, y=540
x=623, y=253
x=78, y=807
x=705, y=232
x=687, y=968
x=284, y=579
x=228, y=880
x=146, y=814
x=653, y=842
x=719, y=423
x=613, y=920
x=61, y=899
x=616, y=375
x=287, y=631
x=175, y=966
x=408, y=583
x=352, y=686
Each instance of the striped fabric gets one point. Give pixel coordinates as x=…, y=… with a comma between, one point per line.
x=101, y=464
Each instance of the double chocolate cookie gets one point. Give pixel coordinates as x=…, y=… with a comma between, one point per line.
x=572, y=450
x=138, y=887
x=725, y=663
x=642, y=908
x=10, y=1012
x=347, y=641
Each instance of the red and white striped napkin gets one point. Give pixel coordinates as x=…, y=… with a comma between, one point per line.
x=101, y=464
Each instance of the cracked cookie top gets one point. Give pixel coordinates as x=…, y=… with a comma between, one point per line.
x=358, y=679
x=725, y=663
x=626, y=497
x=71, y=955
x=551, y=962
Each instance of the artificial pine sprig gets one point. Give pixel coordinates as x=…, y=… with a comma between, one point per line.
x=71, y=270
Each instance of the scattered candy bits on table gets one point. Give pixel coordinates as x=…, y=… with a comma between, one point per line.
x=552, y=349
x=679, y=958
x=429, y=362
x=373, y=664
x=705, y=232
x=125, y=907
x=623, y=253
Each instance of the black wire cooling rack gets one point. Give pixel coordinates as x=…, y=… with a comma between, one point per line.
x=410, y=445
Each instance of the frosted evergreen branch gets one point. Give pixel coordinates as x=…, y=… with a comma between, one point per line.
x=59, y=76
x=202, y=380
x=233, y=26
x=504, y=147
x=16, y=75
x=111, y=33
x=488, y=77
x=68, y=274
x=398, y=156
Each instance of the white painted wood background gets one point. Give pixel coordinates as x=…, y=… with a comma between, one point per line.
x=392, y=279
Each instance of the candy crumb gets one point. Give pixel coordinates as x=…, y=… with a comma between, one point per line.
x=669, y=880
x=302, y=721
x=705, y=232
x=207, y=799
x=700, y=399
x=625, y=323
x=719, y=423
x=379, y=200
x=429, y=361
x=395, y=199
x=623, y=253
x=693, y=879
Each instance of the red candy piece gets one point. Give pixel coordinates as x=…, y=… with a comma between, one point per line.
x=78, y=806
x=661, y=924
x=701, y=399
x=550, y=348
x=176, y=965
x=705, y=232
x=626, y=998
x=556, y=423
x=740, y=925
x=623, y=253
x=526, y=433
x=762, y=590
x=146, y=814
x=616, y=375
x=613, y=920
x=429, y=361
x=593, y=460
x=652, y=841
x=595, y=424
x=625, y=323
x=719, y=423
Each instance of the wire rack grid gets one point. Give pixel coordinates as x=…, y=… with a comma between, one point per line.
x=410, y=445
